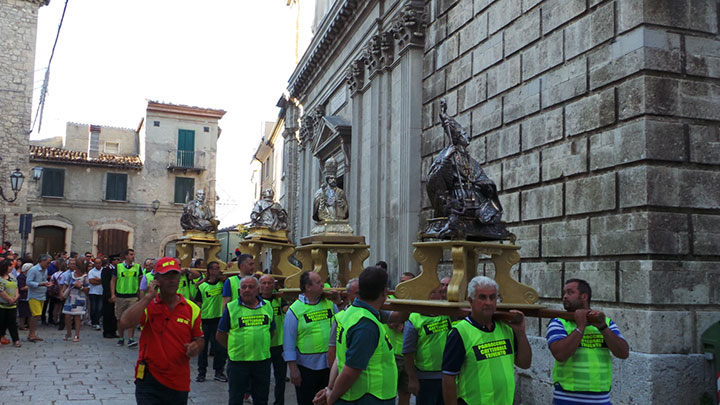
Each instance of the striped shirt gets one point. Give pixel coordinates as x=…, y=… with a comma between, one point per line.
x=556, y=331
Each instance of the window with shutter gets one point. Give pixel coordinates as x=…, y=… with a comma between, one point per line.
x=184, y=189
x=116, y=187
x=53, y=182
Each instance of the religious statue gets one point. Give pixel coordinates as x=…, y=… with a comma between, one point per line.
x=464, y=199
x=197, y=215
x=268, y=213
x=330, y=208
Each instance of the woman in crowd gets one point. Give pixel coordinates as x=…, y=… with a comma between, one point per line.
x=8, y=302
x=55, y=296
x=75, y=290
x=22, y=306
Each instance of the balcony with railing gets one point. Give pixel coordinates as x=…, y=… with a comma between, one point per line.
x=186, y=160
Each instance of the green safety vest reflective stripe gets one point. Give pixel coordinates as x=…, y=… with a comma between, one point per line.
x=313, y=325
x=590, y=368
x=379, y=379
x=249, y=335
x=432, y=332
x=235, y=287
x=279, y=316
x=487, y=375
x=186, y=287
x=211, y=300
x=127, y=279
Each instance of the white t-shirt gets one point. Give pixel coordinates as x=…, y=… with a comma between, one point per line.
x=95, y=289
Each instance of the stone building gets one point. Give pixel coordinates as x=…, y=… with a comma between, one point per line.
x=18, y=28
x=106, y=189
x=597, y=119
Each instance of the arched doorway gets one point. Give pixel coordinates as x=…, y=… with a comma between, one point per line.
x=48, y=240
x=112, y=241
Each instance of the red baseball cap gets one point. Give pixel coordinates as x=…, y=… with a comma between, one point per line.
x=166, y=264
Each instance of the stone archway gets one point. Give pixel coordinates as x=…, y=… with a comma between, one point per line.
x=45, y=225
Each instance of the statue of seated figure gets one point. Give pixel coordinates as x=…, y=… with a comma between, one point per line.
x=268, y=213
x=197, y=215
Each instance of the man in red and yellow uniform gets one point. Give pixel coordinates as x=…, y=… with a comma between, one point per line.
x=171, y=336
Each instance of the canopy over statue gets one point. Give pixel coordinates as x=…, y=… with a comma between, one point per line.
x=268, y=213
x=197, y=216
x=464, y=199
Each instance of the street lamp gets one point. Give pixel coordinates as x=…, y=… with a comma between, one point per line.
x=16, y=183
x=155, y=206
x=37, y=172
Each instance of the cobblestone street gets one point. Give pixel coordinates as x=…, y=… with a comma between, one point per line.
x=93, y=371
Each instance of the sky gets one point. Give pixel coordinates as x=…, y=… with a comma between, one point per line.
x=112, y=56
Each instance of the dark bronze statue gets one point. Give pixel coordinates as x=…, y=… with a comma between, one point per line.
x=464, y=199
x=268, y=213
x=197, y=216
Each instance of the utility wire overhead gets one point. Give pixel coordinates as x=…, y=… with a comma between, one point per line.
x=43, y=92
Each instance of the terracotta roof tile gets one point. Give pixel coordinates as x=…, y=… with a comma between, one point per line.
x=46, y=153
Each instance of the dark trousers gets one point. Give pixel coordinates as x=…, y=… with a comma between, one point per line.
x=8, y=321
x=96, y=306
x=279, y=372
x=249, y=376
x=149, y=391
x=209, y=327
x=109, y=321
x=430, y=392
x=46, y=303
x=312, y=382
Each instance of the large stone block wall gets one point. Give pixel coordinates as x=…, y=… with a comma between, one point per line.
x=18, y=27
x=599, y=121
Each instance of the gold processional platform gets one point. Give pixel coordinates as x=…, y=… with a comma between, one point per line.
x=262, y=239
x=192, y=239
x=412, y=295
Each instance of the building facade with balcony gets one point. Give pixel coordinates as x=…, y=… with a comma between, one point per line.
x=105, y=189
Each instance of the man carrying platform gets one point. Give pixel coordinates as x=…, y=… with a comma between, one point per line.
x=480, y=353
x=209, y=296
x=279, y=307
x=305, y=338
x=245, y=330
x=583, y=366
x=246, y=264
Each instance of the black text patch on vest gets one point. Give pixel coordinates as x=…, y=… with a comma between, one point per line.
x=213, y=292
x=253, y=320
x=494, y=349
x=320, y=315
x=437, y=327
x=593, y=341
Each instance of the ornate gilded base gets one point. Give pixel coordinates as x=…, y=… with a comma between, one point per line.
x=265, y=233
x=341, y=227
x=313, y=257
x=262, y=239
x=206, y=241
x=465, y=259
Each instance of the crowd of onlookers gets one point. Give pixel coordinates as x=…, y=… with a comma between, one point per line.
x=65, y=290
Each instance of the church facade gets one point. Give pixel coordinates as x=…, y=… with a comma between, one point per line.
x=597, y=120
